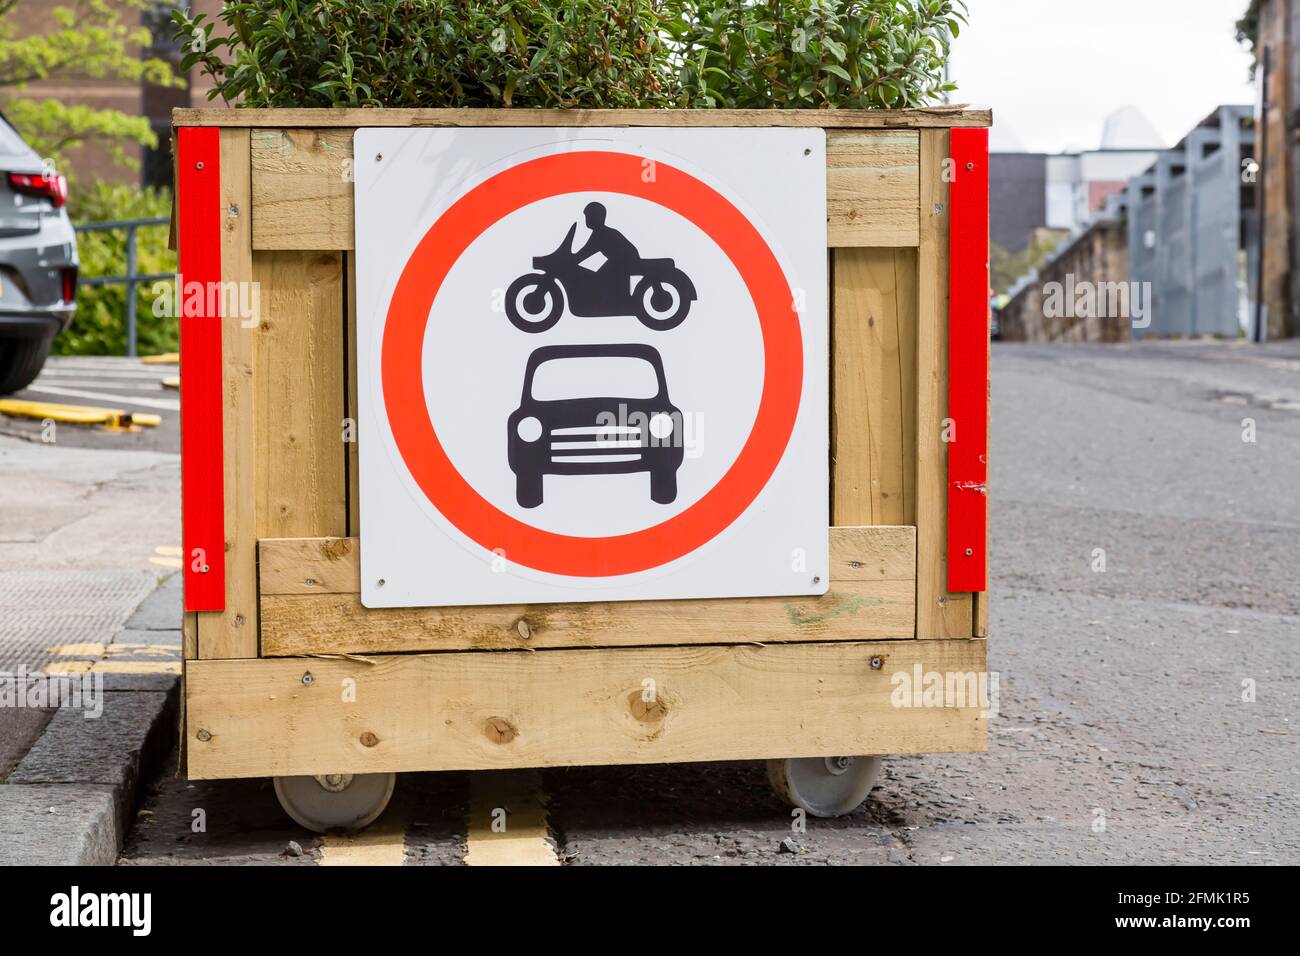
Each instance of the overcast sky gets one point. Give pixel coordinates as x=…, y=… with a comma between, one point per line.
x=1054, y=69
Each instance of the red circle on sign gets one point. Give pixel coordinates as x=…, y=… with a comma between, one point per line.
x=403, y=377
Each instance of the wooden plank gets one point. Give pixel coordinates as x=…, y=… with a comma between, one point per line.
x=304, y=624
x=581, y=707
x=332, y=565
x=300, y=386
x=189, y=635
x=924, y=118
x=872, y=189
x=873, y=416
x=302, y=188
x=939, y=614
x=353, y=447
x=872, y=596
x=233, y=632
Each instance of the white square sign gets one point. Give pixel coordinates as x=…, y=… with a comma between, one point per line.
x=592, y=364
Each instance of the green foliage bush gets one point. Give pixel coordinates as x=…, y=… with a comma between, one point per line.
x=100, y=324
x=575, y=53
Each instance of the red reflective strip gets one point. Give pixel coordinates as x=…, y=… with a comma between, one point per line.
x=968, y=358
x=199, y=253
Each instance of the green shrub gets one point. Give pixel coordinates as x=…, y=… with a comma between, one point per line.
x=575, y=53
x=812, y=54
x=100, y=324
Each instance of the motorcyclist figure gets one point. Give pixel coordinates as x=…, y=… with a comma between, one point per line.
x=660, y=298
x=621, y=257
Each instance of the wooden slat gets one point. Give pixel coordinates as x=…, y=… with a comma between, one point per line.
x=924, y=118
x=938, y=614
x=873, y=416
x=233, y=632
x=332, y=565
x=302, y=188
x=353, y=448
x=560, y=708
x=189, y=635
x=872, y=596
x=300, y=384
x=304, y=624
x=872, y=189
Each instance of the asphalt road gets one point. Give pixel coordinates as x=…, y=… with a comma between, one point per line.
x=1146, y=710
x=121, y=384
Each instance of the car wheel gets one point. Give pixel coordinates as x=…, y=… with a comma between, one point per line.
x=663, y=487
x=20, y=362
x=528, y=490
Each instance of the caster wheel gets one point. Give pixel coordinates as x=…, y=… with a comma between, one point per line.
x=339, y=801
x=823, y=786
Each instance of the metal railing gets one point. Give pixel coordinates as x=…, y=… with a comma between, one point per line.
x=131, y=278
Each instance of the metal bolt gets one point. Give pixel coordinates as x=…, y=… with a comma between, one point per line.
x=198, y=165
x=817, y=579
x=877, y=662
x=379, y=157
x=855, y=565
x=379, y=583
x=307, y=679
x=938, y=209
x=969, y=552
x=204, y=736
x=970, y=165
x=311, y=582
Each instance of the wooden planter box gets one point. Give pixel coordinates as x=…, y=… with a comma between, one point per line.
x=274, y=627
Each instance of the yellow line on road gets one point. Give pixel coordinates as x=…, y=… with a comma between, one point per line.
x=383, y=843
x=136, y=667
x=84, y=649
x=507, y=821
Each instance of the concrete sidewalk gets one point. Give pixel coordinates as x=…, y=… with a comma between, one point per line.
x=90, y=643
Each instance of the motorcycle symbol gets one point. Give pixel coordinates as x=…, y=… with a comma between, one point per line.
x=660, y=297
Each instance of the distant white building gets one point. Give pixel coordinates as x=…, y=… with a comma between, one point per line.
x=1065, y=190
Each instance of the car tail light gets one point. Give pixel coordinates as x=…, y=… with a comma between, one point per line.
x=45, y=185
x=69, y=285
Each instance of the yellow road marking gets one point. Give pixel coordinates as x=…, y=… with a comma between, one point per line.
x=168, y=550
x=86, y=649
x=507, y=821
x=121, y=648
x=110, y=418
x=66, y=667
x=135, y=667
x=166, y=358
x=383, y=843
